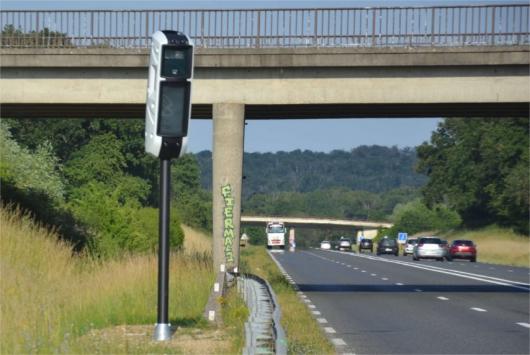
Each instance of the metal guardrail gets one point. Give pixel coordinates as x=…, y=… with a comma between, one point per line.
x=263, y=331
x=506, y=24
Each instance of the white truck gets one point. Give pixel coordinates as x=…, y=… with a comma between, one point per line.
x=275, y=235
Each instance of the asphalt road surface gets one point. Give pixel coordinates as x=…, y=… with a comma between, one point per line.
x=394, y=305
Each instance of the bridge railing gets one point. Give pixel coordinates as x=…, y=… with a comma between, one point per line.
x=255, y=28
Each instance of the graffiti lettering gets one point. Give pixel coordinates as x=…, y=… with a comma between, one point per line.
x=228, y=231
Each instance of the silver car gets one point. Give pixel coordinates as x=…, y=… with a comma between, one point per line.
x=409, y=246
x=429, y=247
x=325, y=244
x=344, y=244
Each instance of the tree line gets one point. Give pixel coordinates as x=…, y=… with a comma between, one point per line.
x=93, y=181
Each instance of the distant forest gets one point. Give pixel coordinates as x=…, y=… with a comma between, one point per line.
x=374, y=169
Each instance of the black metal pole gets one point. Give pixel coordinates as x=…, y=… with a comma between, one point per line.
x=163, y=246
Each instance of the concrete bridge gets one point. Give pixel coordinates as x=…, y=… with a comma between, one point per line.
x=335, y=70
x=309, y=222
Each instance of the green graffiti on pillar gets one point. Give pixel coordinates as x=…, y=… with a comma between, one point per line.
x=228, y=214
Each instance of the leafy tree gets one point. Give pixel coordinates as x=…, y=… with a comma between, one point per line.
x=479, y=167
x=415, y=216
x=190, y=200
x=32, y=180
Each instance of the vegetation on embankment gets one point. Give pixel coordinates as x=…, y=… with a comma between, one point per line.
x=496, y=245
x=53, y=301
x=304, y=335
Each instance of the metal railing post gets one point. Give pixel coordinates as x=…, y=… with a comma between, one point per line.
x=315, y=33
x=493, y=26
x=258, y=30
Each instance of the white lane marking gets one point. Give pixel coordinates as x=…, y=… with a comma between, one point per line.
x=373, y=274
x=399, y=284
x=311, y=306
x=355, y=268
x=307, y=300
x=322, y=320
x=363, y=270
x=478, y=309
x=338, y=341
x=316, y=313
x=443, y=298
x=329, y=330
x=522, y=324
x=384, y=278
x=468, y=275
x=418, y=290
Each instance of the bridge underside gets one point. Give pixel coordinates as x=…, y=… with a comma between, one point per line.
x=297, y=111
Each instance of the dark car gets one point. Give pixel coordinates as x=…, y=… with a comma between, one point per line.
x=366, y=244
x=462, y=249
x=387, y=246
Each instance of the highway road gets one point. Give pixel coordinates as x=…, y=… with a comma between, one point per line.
x=393, y=305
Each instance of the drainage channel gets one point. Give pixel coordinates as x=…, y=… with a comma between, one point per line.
x=263, y=331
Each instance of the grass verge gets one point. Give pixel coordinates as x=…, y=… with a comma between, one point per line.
x=52, y=301
x=496, y=245
x=304, y=335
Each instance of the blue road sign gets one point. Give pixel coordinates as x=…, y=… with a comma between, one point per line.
x=402, y=237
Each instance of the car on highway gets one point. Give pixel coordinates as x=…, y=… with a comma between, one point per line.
x=344, y=243
x=462, y=249
x=429, y=248
x=366, y=244
x=325, y=244
x=387, y=246
x=409, y=246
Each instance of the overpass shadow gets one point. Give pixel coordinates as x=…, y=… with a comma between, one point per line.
x=410, y=288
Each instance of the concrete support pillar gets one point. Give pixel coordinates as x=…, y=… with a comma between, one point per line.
x=228, y=141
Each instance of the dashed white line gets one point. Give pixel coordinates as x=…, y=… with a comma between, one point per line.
x=322, y=320
x=418, y=290
x=399, y=284
x=384, y=278
x=523, y=324
x=338, y=341
x=311, y=306
x=307, y=300
x=478, y=309
x=443, y=298
x=355, y=268
x=329, y=330
x=373, y=274
x=363, y=270
x=316, y=313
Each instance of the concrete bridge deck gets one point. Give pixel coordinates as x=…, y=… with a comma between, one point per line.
x=275, y=83
x=311, y=222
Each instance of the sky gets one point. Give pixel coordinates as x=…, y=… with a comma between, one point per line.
x=277, y=135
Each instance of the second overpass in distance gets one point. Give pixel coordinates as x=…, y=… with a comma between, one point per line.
x=312, y=222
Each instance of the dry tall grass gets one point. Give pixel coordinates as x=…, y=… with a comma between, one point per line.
x=497, y=245
x=196, y=241
x=49, y=297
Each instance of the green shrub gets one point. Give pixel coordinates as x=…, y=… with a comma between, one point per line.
x=37, y=171
x=415, y=216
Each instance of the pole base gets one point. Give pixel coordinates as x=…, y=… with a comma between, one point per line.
x=162, y=332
